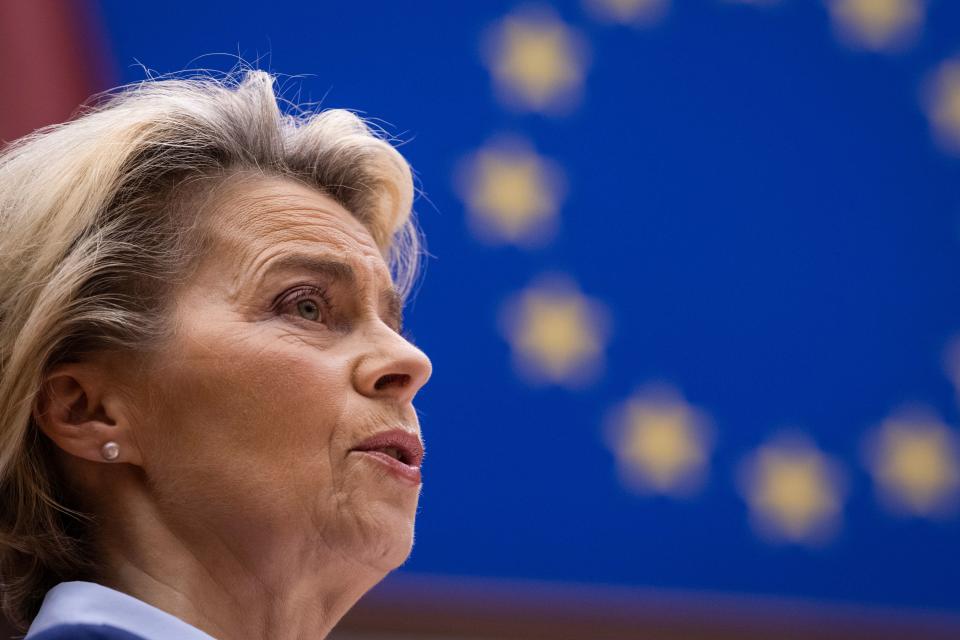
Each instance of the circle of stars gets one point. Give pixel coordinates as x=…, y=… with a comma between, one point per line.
x=662, y=444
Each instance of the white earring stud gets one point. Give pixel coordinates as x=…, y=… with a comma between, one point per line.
x=110, y=450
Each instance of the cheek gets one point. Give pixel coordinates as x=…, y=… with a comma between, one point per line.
x=253, y=422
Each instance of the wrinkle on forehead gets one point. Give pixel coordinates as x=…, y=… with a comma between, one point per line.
x=270, y=206
x=264, y=216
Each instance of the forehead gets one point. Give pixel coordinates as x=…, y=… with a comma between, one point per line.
x=256, y=222
x=262, y=210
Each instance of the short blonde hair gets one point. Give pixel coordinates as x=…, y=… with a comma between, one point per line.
x=93, y=231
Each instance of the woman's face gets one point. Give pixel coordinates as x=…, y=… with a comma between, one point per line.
x=255, y=407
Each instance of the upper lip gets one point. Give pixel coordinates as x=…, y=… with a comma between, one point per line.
x=408, y=444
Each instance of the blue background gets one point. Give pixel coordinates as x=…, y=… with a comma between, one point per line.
x=762, y=209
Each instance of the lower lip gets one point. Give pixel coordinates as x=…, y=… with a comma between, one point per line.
x=397, y=468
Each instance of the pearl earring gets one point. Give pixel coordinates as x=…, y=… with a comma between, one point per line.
x=110, y=450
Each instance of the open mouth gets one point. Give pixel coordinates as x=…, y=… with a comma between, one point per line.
x=399, y=448
x=400, y=454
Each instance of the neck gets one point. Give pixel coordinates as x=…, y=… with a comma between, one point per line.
x=231, y=583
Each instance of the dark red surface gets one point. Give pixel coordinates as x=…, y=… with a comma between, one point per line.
x=52, y=58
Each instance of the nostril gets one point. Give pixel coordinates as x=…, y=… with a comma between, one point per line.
x=402, y=380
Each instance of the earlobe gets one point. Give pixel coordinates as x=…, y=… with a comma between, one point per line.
x=84, y=416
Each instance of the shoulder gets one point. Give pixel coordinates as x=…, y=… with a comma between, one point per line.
x=84, y=632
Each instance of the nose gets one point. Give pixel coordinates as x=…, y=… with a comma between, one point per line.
x=394, y=368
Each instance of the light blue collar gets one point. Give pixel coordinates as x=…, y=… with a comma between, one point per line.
x=85, y=602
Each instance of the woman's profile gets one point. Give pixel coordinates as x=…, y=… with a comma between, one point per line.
x=206, y=418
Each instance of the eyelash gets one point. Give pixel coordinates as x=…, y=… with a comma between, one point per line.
x=304, y=293
x=313, y=290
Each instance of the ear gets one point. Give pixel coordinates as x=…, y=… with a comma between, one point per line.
x=80, y=410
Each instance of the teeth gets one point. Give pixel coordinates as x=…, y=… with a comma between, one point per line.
x=393, y=452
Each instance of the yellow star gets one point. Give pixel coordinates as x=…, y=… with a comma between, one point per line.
x=942, y=104
x=635, y=12
x=914, y=461
x=557, y=334
x=512, y=193
x=793, y=490
x=877, y=24
x=661, y=442
x=536, y=60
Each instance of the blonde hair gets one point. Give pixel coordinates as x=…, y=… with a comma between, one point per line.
x=93, y=231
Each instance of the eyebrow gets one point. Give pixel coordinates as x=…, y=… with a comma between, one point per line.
x=341, y=272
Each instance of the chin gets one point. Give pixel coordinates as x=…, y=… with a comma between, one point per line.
x=398, y=543
x=385, y=536
x=376, y=523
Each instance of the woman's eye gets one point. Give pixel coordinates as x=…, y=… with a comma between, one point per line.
x=308, y=309
x=307, y=303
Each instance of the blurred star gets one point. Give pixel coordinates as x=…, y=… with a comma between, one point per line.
x=661, y=443
x=556, y=333
x=877, y=25
x=941, y=98
x=512, y=193
x=641, y=13
x=537, y=62
x=794, y=491
x=914, y=460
